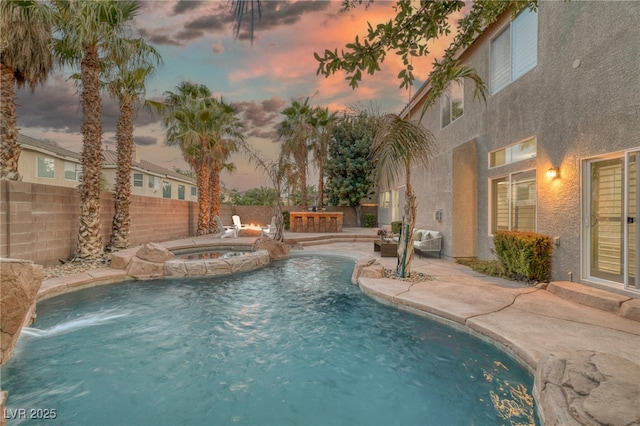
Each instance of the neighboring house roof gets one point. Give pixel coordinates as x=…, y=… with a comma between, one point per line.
x=47, y=148
x=110, y=158
x=111, y=161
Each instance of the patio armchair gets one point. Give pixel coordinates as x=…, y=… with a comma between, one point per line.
x=238, y=223
x=427, y=241
x=270, y=230
x=225, y=231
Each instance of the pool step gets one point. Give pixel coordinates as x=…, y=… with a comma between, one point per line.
x=312, y=240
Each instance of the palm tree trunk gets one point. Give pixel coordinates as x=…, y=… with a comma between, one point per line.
x=214, y=198
x=320, y=202
x=9, y=147
x=303, y=185
x=124, y=140
x=89, y=236
x=202, y=179
x=405, y=245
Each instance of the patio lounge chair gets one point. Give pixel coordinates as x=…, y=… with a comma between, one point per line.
x=270, y=230
x=237, y=223
x=225, y=231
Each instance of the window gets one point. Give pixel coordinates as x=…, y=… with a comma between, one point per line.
x=194, y=191
x=452, y=103
x=46, y=167
x=180, y=192
x=166, y=189
x=72, y=171
x=513, y=202
x=515, y=50
x=513, y=153
x=138, y=180
x=154, y=182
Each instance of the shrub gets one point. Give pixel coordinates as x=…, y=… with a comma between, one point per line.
x=487, y=267
x=369, y=221
x=525, y=256
x=286, y=220
x=396, y=227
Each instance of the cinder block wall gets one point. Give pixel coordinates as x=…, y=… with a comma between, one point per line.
x=40, y=222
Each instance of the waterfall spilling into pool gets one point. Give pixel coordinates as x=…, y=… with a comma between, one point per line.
x=292, y=343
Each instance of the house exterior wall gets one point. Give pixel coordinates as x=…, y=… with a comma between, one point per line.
x=579, y=101
x=110, y=173
x=28, y=168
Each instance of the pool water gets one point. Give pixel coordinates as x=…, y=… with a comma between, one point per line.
x=210, y=254
x=292, y=344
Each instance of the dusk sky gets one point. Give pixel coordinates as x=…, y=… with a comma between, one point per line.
x=196, y=41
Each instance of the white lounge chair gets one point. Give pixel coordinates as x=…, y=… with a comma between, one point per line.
x=237, y=223
x=270, y=230
x=225, y=231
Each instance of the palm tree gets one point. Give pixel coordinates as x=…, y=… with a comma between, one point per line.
x=324, y=123
x=25, y=59
x=87, y=30
x=189, y=116
x=398, y=145
x=127, y=83
x=298, y=129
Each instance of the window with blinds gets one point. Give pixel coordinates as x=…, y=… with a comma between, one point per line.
x=515, y=50
x=513, y=202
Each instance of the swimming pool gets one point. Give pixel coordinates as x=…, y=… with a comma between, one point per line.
x=294, y=343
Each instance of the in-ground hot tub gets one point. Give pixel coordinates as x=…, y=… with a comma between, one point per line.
x=215, y=261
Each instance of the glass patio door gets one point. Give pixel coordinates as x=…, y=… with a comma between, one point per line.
x=612, y=234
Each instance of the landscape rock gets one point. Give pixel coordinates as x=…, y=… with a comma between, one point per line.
x=21, y=280
x=277, y=250
x=371, y=264
x=144, y=270
x=153, y=252
x=631, y=310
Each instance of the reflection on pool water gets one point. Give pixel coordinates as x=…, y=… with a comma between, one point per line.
x=294, y=343
x=210, y=254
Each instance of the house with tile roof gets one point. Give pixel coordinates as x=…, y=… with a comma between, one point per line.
x=46, y=163
x=553, y=150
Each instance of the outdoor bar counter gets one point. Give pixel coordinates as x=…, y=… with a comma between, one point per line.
x=316, y=221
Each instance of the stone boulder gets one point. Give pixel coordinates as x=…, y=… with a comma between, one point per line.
x=368, y=267
x=21, y=280
x=587, y=388
x=148, y=262
x=277, y=249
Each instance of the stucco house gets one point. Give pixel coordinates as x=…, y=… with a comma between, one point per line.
x=553, y=150
x=49, y=164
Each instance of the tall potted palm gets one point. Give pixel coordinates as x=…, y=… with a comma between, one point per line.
x=324, y=124
x=87, y=30
x=25, y=59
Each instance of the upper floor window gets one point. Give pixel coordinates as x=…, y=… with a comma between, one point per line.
x=513, y=153
x=180, y=192
x=138, y=180
x=72, y=171
x=194, y=191
x=515, y=50
x=154, y=182
x=166, y=189
x=452, y=103
x=46, y=167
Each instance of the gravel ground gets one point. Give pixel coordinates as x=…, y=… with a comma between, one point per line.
x=75, y=267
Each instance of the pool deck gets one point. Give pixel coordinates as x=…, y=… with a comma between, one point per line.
x=528, y=322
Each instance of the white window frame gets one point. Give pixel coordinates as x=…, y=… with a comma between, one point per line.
x=77, y=170
x=523, y=53
x=137, y=183
x=165, y=185
x=181, y=192
x=48, y=163
x=154, y=182
x=510, y=182
x=447, y=103
x=194, y=191
x=510, y=158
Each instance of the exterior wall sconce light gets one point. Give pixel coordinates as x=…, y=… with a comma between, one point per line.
x=553, y=172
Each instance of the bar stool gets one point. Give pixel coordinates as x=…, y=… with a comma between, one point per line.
x=322, y=224
x=297, y=224
x=311, y=224
x=333, y=223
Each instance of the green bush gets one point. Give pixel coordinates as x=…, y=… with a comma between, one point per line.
x=369, y=220
x=525, y=256
x=486, y=267
x=396, y=226
x=286, y=220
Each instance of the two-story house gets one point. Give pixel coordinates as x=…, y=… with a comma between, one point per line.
x=554, y=149
x=49, y=164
